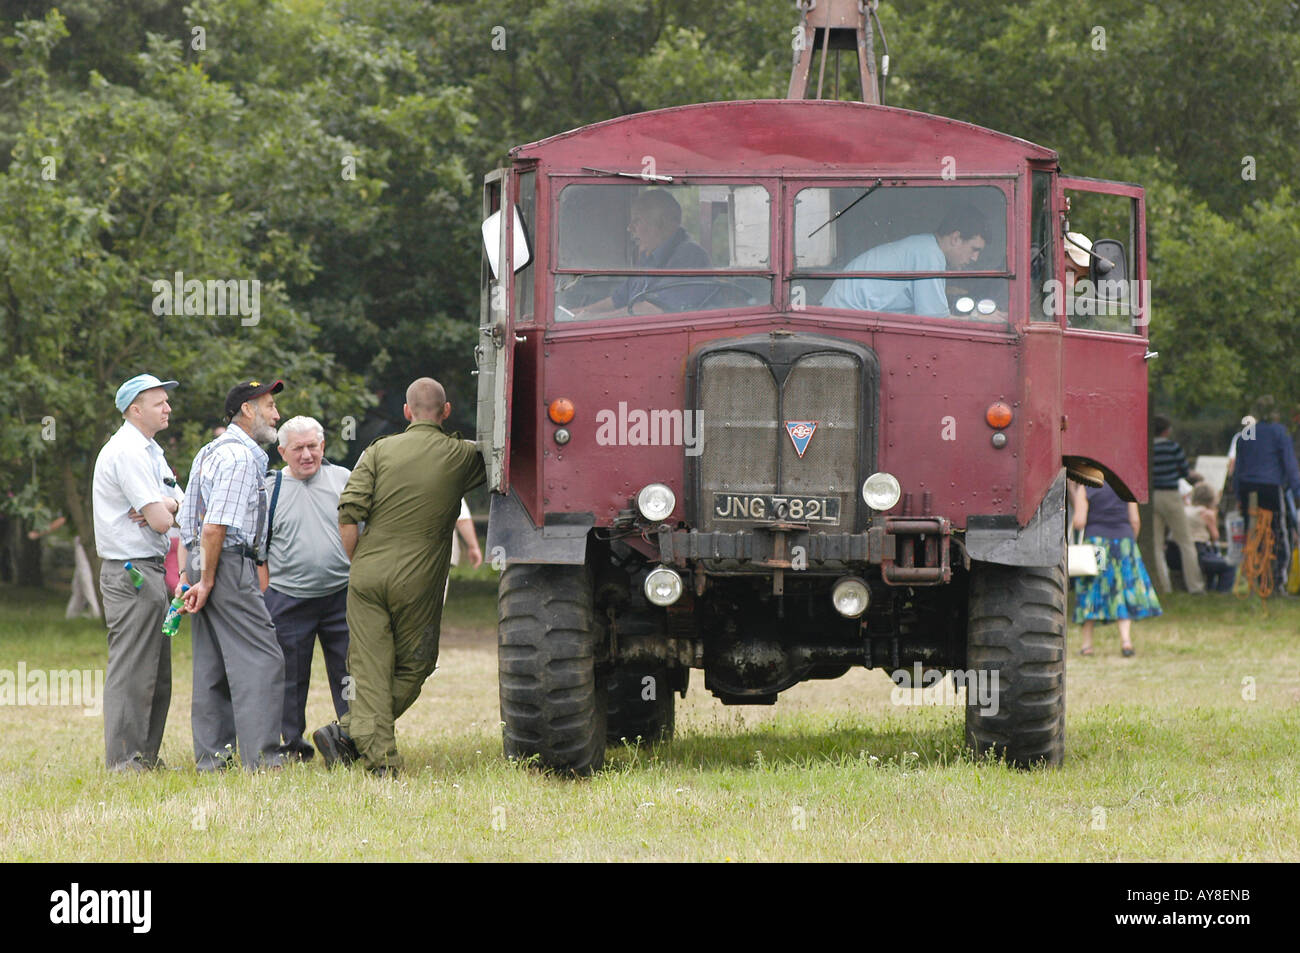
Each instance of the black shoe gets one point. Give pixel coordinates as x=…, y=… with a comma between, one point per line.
x=299, y=752
x=390, y=771
x=334, y=745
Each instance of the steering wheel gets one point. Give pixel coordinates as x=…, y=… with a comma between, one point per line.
x=715, y=286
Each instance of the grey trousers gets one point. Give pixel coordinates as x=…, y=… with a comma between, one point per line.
x=238, y=671
x=138, y=684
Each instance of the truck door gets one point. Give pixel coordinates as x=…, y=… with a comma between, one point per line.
x=494, y=350
x=1105, y=303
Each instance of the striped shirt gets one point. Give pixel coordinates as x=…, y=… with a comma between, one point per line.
x=1168, y=463
x=227, y=476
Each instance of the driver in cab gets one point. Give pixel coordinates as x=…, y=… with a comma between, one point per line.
x=655, y=225
x=955, y=245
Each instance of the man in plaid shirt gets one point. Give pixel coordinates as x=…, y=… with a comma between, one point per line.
x=238, y=664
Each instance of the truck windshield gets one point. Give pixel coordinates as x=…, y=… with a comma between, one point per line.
x=935, y=235
x=628, y=248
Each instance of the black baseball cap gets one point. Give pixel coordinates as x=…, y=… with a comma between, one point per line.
x=249, y=390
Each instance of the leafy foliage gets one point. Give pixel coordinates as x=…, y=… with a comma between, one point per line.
x=333, y=148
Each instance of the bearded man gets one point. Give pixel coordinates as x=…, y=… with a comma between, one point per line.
x=238, y=664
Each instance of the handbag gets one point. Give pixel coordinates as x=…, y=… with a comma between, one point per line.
x=1084, y=559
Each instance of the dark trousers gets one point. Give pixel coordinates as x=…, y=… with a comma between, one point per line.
x=298, y=622
x=1269, y=497
x=1218, y=572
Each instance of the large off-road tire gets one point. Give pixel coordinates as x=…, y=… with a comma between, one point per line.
x=552, y=703
x=630, y=717
x=1016, y=629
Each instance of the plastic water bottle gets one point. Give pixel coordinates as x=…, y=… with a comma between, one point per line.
x=172, y=622
x=1235, y=526
x=137, y=577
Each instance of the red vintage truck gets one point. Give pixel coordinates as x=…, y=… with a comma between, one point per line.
x=771, y=389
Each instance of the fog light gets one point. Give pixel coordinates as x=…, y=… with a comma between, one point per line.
x=663, y=586
x=881, y=491
x=656, y=502
x=562, y=436
x=851, y=597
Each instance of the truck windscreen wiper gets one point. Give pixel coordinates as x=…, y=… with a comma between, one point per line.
x=645, y=176
x=879, y=183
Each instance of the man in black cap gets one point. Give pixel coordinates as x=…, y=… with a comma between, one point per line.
x=238, y=664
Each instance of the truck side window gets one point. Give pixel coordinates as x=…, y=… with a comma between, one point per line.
x=526, y=277
x=1042, y=256
x=1100, y=293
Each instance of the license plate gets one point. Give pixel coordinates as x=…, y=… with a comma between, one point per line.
x=775, y=508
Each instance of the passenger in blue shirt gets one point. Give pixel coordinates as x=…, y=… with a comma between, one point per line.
x=958, y=243
x=656, y=228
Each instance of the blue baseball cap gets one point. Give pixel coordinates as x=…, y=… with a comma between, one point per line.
x=132, y=388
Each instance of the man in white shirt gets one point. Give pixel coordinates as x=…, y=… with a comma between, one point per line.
x=135, y=502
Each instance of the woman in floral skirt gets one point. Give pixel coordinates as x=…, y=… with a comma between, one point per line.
x=1122, y=591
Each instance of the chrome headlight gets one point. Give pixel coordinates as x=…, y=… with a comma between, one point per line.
x=851, y=597
x=656, y=502
x=663, y=586
x=881, y=491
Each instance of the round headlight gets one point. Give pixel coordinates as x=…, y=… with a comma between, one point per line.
x=656, y=502
x=881, y=491
x=964, y=305
x=851, y=597
x=562, y=436
x=986, y=306
x=663, y=586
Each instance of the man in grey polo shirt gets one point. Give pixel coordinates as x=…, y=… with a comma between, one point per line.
x=305, y=579
x=238, y=665
x=135, y=502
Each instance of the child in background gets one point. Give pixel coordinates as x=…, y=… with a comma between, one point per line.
x=1203, y=523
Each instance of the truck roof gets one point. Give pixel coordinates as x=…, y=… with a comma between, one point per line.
x=775, y=136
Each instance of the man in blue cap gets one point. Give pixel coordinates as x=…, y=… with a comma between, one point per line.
x=135, y=502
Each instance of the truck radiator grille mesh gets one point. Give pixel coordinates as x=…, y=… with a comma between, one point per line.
x=747, y=449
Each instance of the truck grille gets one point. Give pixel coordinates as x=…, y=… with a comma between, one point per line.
x=747, y=391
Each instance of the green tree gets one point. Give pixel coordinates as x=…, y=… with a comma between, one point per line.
x=111, y=189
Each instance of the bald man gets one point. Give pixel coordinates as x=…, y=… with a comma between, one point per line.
x=406, y=488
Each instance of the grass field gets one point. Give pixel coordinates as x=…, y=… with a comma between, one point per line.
x=1187, y=752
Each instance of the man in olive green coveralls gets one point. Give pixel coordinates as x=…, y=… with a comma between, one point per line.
x=407, y=489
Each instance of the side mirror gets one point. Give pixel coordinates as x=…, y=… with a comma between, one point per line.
x=1109, y=274
x=1110, y=261
x=492, y=242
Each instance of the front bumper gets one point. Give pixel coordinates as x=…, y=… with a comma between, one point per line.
x=910, y=550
